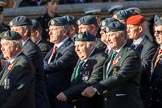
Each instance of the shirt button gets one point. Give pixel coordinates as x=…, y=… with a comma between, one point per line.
x=105, y=99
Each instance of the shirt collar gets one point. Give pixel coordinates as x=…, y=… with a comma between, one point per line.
x=138, y=41
x=120, y=48
x=13, y=59
x=89, y=55
x=62, y=42
x=23, y=43
x=38, y=40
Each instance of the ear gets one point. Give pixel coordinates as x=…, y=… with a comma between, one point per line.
x=140, y=29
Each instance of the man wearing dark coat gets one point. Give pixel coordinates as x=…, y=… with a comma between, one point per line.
x=156, y=67
x=18, y=75
x=122, y=71
x=22, y=25
x=59, y=61
x=136, y=27
x=36, y=37
x=90, y=72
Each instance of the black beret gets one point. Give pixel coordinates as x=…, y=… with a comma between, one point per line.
x=35, y=24
x=157, y=20
x=115, y=26
x=58, y=21
x=123, y=14
x=107, y=21
x=20, y=21
x=10, y=35
x=71, y=19
x=85, y=36
x=87, y=20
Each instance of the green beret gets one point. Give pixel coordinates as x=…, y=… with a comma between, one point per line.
x=87, y=20
x=35, y=24
x=20, y=21
x=71, y=19
x=85, y=36
x=157, y=20
x=10, y=35
x=58, y=21
x=123, y=14
x=115, y=26
x=107, y=21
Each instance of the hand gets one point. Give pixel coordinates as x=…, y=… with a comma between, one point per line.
x=89, y=92
x=61, y=97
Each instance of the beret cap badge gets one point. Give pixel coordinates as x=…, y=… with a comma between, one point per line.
x=103, y=23
x=161, y=17
x=52, y=22
x=11, y=23
x=80, y=36
x=5, y=34
x=107, y=29
x=79, y=22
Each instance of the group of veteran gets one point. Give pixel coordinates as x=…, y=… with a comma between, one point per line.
x=86, y=63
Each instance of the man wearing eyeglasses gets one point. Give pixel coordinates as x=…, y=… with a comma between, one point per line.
x=136, y=28
x=156, y=71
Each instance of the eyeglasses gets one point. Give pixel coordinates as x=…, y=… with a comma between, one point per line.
x=158, y=32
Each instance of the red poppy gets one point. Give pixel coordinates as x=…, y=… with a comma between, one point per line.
x=10, y=67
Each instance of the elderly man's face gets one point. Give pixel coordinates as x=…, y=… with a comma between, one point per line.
x=8, y=49
x=104, y=38
x=57, y=34
x=114, y=40
x=82, y=49
x=158, y=34
x=133, y=31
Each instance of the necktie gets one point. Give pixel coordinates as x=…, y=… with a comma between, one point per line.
x=54, y=51
x=78, y=69
x=158, y=57
x=113, y=55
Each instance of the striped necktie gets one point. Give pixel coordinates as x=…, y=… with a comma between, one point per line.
x=54, y=51
x=78, y=69
x=113, y=55
x=158, y=57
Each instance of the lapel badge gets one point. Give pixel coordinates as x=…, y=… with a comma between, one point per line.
x=115, y=70
x=116, y=60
